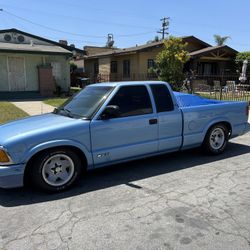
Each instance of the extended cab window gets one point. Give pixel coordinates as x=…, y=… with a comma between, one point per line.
x=163, y=99
x=132, y=100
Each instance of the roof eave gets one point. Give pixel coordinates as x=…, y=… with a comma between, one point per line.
x=36, y=52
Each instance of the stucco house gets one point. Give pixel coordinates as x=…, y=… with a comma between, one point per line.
x=29, y=63
x=133, y=63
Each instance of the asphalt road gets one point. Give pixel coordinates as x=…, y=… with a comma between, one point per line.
x=178, y=201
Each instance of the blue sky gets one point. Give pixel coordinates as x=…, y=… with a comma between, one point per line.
x=131, y=21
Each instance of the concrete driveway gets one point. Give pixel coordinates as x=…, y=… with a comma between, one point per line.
x=177, y=201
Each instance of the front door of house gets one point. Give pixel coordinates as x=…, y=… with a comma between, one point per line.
x=16, y=74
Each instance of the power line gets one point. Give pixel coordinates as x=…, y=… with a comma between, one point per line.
x=108, y=10
x=49, y=28
x=83, y=19
x=71, y=33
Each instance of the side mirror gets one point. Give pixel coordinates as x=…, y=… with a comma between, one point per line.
x=111, y=111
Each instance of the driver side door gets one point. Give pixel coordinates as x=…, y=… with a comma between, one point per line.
x=133, y=133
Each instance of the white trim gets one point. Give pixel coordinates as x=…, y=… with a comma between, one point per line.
x=7, y=60
x=25, y=76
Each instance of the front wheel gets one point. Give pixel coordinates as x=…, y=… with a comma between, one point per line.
x=56, y=170
x=216, y=139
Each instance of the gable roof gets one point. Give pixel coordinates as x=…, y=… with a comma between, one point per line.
x=212, y=49
x=194, y=38
x=66, y=47
x=144, y=47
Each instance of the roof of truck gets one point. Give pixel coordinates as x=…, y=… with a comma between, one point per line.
x=130, y=83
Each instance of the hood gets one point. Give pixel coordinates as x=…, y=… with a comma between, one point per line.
x=35, y=126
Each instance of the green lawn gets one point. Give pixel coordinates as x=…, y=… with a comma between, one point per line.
x=55, y=102
x=58, y=101
x=9, y=112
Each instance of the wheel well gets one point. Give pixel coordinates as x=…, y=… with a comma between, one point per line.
x=227, y=124
x=31, y=160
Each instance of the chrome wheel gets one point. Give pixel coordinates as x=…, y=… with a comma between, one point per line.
x=217, y=138
x=58, y=169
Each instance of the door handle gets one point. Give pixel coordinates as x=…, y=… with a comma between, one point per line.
x=153, y=121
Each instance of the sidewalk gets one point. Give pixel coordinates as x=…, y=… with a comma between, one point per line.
x=33, y=107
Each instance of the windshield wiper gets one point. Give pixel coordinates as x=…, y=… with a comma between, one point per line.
x=66, y=111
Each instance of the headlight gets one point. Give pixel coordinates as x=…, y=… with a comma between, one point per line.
x=4, y=157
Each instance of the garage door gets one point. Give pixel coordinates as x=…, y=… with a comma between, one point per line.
x=16, y=73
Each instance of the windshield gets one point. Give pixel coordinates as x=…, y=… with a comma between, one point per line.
x=86, y=102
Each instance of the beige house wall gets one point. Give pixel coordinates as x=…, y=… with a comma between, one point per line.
x=138, y=63
x=92, y=50
x=79, y=63
x=104, y=66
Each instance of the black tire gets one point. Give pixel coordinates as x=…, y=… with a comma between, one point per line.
x=209, y=146
x=38, y=175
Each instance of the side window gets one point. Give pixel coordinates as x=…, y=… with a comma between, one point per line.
x=132, y=100
x=126, y=68
x=96, y=68
x=163, y=99
x=113, y=67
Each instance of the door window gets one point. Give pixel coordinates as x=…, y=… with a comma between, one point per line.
x=163, y=99
x=132, y=100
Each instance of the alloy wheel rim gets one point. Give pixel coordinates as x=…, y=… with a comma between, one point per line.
x=217, y=138
x=58, y=170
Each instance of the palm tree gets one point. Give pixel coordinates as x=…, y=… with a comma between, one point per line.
x=220, y=40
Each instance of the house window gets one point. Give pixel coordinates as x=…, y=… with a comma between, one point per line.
x=151, y=63
x=126, y=68
x=208, y=68
x=113, y=67
x=96, y=68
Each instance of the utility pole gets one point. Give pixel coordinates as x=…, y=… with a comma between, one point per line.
x=165, y=25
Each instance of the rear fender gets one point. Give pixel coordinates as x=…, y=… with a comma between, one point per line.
x=213, y=122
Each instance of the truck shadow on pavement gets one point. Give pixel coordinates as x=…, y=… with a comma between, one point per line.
x=124, y=173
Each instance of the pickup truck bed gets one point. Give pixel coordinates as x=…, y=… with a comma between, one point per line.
x=200, y=113
x=188, y=100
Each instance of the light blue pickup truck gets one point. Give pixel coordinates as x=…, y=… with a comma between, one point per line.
x=108, y=123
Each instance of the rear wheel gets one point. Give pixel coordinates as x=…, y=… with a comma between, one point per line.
x=216, y=139
x=56, y=170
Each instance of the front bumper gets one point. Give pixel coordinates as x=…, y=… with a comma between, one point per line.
x=11, y=176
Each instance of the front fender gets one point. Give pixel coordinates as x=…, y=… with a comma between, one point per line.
x=57, y=143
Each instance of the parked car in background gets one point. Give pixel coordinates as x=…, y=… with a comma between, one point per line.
x=109, y=123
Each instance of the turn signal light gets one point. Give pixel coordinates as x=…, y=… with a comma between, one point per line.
x=3, y=156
